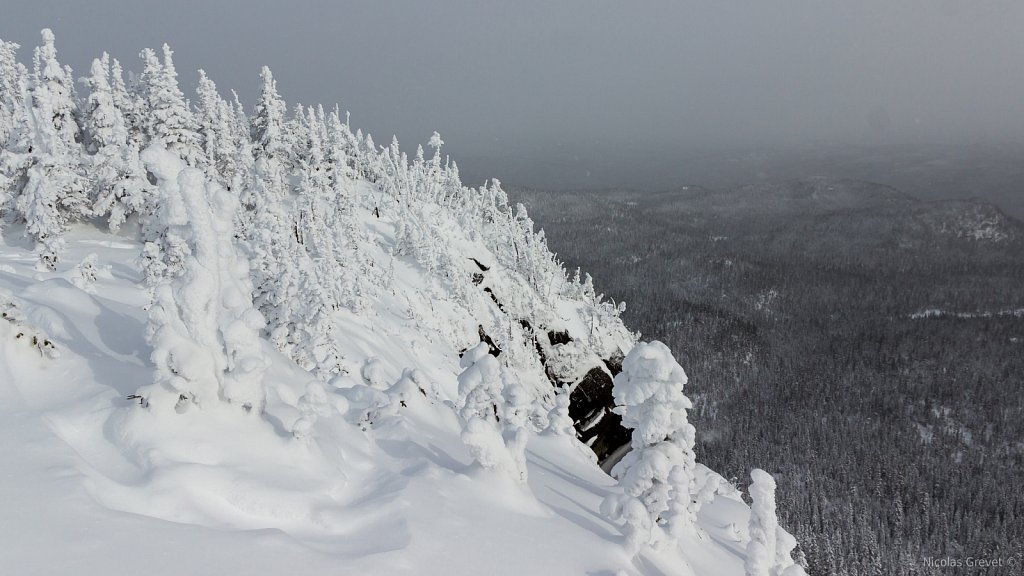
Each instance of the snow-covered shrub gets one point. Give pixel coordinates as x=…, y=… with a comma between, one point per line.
x=494, y=428
x=637, y=525
x=312, y=406
x=559, y=421
x=373, y=373
x=480, y=384
x=707, y=492
x=85, y=274
x=379, y=403
x=413, y=386
x=658, y=472
x=486, y=445
x=13, y=320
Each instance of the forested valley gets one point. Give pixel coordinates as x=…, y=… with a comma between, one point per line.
x=864, y=346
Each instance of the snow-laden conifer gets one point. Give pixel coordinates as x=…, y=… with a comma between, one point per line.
x=174, y=125
x=15, y=127
x=658, y=471
x=770, y=547
x=132, y=105
x=49, y=188
x=116, y=175
x=202, y=325
x=269, y=132
x=10, y=87
x=213, y=121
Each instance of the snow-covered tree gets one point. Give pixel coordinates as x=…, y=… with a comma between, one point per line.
x=202, y=324
x=770, y=548
x=343, y=149
x=314, y=344
x=116, y=175
x=269, y=129
x=52, y=187
x=436, y=143
x=213, y=120
x=314, y=214
x=369, y=161
x=480, y=384
x=10, y=87
x=15, y=126
x=242, y=166
x=274, y=245
x=140, y=87
x=171, y=123
x=658, y=472
x=103, y=123
x=133, y=107
x=53, y=90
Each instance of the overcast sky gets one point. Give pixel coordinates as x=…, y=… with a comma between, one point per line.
x=521, y=78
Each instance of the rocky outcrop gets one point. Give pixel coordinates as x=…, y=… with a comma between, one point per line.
x=591, y=400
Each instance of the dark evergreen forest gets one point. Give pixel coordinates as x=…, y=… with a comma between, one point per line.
x=865, y=347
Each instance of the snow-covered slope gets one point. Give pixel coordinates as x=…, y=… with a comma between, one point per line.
x=94, y=483
x=235, y=344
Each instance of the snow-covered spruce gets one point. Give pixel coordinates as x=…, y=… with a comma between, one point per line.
x=42, y=160
x=117, y=177
x=769, y=552
x=657, y=475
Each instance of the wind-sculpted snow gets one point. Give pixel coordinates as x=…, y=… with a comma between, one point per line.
x=332, y=478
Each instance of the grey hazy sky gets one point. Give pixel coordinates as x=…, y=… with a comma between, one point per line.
x=589, y=77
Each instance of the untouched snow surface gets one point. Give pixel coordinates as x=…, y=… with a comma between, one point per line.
x=337, y=478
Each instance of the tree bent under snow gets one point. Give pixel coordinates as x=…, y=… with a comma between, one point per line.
x=202, y=324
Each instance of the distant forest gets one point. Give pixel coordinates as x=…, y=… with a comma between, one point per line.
x=864, y=347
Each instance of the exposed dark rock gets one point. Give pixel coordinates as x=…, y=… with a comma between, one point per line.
x=559, y=337
x=590, y=408
x=606, y=436
x=492, y=348
x=593, y=391
x=495, y=298
x=591, y=401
